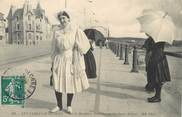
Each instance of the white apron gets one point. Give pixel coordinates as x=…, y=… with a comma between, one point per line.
x=68, y=63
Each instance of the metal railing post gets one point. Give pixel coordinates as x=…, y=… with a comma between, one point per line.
x=126, y=62
x=121, y=52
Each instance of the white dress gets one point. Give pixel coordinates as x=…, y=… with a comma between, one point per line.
x=68, y=48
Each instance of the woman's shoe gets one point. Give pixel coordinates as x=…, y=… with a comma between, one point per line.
x=55, y=109
x=69, y=110
x=154, y=99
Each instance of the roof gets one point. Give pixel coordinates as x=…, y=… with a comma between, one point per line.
x=38, y=6
x=18, y=12
x=38, y=11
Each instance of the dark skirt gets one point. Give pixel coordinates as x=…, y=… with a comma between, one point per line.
x=90, y=65
x=158, y=69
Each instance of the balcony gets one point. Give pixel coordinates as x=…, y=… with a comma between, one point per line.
x=39, y=31
x=29, y=30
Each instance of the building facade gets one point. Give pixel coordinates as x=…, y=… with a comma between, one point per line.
x=2, y=28
x=28, y=26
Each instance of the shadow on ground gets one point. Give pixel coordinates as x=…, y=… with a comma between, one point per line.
x=114, y=94
x=47, y=86
x=36, y=103
x=120, y=85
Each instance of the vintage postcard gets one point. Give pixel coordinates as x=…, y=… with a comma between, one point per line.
x=95, y=58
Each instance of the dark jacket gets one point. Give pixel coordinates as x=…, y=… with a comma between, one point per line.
x=157, y=67
x=148, y=45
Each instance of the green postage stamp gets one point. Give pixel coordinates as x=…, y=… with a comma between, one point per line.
x=12, y=90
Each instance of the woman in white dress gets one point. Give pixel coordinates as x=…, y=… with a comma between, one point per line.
x=69, y=45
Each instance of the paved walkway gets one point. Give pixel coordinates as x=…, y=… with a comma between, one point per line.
x=121, y=93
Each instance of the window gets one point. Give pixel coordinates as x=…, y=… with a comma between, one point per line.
x=40, y=37
x=17, y=18
x=29, y=27
x=37, y=27
x=37, y=37
x=18, y=36
x=29, y=36
x=18, y=26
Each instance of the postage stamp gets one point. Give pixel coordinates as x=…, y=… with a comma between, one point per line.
x=12, y=89
x=16, y=88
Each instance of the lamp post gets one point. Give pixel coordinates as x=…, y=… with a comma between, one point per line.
x=92, y=13
x=87, y=14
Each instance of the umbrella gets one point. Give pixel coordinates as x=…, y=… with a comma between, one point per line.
x=95, y=35
x=158, y=25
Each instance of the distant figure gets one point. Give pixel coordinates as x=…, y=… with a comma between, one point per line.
x=90, y=64
x=69, y=76
x=157, y=69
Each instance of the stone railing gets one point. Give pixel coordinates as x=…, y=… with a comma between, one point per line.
x=172, y=91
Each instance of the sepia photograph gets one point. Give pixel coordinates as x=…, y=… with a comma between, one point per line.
x=91, y=58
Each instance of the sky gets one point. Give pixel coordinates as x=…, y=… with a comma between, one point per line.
x=117, y=15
